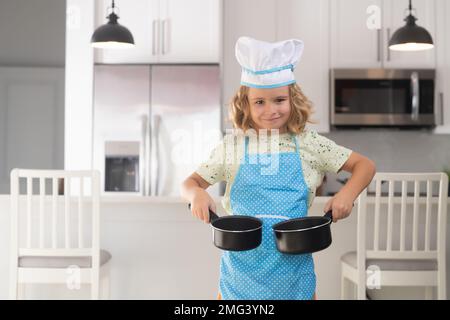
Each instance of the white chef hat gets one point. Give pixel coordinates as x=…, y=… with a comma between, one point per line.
x=266, y=64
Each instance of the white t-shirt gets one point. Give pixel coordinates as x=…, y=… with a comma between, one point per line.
x=318, y=155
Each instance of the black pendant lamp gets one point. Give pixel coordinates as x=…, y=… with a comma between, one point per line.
x=112, y=34
x=411, y=37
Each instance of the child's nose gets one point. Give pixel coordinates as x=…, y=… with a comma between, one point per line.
x=272, y=107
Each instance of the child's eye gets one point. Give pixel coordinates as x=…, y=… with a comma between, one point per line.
x=259, y=102
x=280, y=100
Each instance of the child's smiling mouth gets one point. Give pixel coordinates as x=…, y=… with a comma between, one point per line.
x=272, y=119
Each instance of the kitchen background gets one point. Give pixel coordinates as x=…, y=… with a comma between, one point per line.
x=48, y=88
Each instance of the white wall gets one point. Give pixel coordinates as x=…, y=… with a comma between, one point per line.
x=31, y=120
x=32, y=37
x=32, y=33
x=394, y=150
x=79, y=85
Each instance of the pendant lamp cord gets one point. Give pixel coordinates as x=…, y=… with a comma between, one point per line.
x=410, y=6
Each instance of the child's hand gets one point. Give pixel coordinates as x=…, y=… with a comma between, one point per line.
x=341, y=205
x=201, y=203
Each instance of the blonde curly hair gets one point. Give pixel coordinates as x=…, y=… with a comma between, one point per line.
x=301, y=110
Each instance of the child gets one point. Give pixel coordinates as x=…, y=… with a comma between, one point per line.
x=269, y=100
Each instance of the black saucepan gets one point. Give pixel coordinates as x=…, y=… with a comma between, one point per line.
x=234, y=232
x=303, y=235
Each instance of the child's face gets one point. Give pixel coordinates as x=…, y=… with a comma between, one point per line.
x=270, y=108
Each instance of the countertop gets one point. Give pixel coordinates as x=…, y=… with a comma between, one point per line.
x=178, y=200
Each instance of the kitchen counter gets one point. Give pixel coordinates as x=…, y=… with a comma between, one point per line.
x=131, y=199
x=160, y=251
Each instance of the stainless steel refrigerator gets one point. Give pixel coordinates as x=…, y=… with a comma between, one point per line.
x=153, y=125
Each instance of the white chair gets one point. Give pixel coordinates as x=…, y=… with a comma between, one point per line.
x=48, y=243
x=404, y=247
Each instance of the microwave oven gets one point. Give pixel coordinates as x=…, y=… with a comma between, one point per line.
x=382, y=98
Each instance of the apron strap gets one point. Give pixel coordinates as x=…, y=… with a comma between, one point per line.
x=245, y=149
x=294, y=137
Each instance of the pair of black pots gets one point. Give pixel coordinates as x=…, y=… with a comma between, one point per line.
x=293, y=236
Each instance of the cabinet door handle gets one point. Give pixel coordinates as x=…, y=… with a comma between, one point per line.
x=164, y=35
x=441, y=101
x=388, y=39
x=154, y=37
x=158, y=40
x=163, y=38
x=379, y=45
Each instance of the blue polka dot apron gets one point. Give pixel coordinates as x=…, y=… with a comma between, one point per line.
x=269, y=186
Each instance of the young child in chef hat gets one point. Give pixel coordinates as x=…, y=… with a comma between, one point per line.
x=270, y=101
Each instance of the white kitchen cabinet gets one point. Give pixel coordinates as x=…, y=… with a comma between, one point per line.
x=353, y=43
x=165, y=31
x=191, y=31
x=394, y=19
x=295, y=18
x=361, y=29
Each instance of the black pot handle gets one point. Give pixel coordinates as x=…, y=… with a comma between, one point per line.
x=212, y=215
x=329, y=215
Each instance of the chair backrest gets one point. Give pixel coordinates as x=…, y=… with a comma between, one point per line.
x=400, y=223
x=42, y=219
